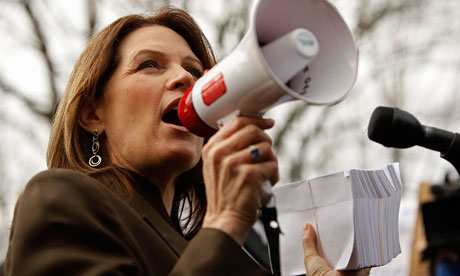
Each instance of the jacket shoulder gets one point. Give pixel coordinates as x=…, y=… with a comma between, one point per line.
x=62, y=196
x=65, y=185
x=66, y=217
x=55, y=177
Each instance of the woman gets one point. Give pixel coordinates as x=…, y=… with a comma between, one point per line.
x=124, y=173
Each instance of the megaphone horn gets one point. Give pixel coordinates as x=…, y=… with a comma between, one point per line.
x=294, y=49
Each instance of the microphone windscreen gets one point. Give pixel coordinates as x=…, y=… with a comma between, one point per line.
x=380, y=124
x=393, y=127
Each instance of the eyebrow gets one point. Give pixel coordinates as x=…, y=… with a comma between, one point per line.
x=161, y=54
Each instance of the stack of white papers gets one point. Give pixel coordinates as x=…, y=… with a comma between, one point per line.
x=354, y=213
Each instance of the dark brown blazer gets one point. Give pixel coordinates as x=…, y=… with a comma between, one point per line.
x=67, y=223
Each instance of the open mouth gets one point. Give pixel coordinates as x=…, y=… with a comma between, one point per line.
x=171, y=117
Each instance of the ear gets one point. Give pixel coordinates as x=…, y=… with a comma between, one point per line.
x=91, y=117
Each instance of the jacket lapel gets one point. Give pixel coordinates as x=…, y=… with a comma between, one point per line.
x=171, y=237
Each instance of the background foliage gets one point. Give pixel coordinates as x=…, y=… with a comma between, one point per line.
x=409, y=58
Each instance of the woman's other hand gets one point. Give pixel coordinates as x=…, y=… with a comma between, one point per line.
x=315, y=265
x=233, y=176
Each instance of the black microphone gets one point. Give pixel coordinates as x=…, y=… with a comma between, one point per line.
x=393, y=127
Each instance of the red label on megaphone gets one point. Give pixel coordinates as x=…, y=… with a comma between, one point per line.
x=214, y=89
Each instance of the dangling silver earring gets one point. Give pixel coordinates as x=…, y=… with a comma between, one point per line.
x=95, y=160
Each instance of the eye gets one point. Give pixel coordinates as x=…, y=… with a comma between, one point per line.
x=150, y=63
x=196, y=73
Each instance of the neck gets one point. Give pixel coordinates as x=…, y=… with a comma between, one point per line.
x=166, y=186
x=163, y=177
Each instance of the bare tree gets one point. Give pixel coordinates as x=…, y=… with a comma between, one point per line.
x=407, y=59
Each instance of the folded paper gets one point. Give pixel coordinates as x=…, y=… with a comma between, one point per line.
x=354, y=213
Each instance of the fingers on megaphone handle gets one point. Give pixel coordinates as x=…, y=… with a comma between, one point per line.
x=266, y=194
x=237, y=123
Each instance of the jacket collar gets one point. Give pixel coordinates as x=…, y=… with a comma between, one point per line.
x=148, y=203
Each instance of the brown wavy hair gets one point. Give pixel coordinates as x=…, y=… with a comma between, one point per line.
x=70, y=145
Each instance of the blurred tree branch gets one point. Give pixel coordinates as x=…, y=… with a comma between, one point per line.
x=233, y=23
x=369, y=18
x=92, y=18
x=300, y=164
x=44, y=52
x=8, y=89
x=292, y=116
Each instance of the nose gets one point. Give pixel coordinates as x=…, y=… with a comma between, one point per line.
x=180, y=79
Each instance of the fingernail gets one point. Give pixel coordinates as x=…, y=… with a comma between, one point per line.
x=306, y=227
x=270, y=121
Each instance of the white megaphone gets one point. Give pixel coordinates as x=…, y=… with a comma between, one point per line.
x=293, y=50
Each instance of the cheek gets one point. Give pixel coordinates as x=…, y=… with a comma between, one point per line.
x=142, y=95
x=131, y=107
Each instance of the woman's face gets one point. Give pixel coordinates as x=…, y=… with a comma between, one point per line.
x=140, y=102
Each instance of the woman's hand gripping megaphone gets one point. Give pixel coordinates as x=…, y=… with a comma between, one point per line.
x=236, y=161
